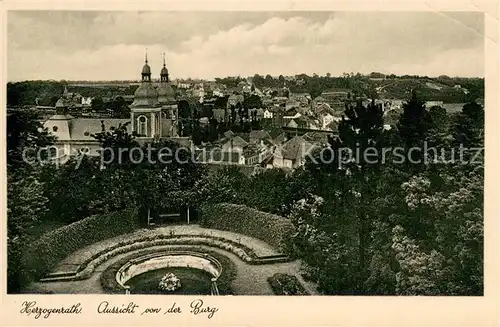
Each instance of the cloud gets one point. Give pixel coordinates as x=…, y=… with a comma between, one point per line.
x=110, y=45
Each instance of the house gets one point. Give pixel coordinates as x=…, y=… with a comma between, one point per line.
x=453, y=107
x=291, y=104
x=220, y=114
x=268, y=114
x=430, y=104
x=229, y=134
x=292, y=154
x=227, y=157
x=302, y=98
x=256, y=136
x=234, y=100
x=320, y=139
x=255, y=154
x=234, y=144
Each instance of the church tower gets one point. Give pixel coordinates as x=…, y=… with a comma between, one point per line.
x=146, y=110
x=168, y=103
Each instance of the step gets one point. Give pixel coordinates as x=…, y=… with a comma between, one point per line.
x=58, y=279
x=61, y=274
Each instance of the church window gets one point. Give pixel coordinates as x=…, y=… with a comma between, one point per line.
x=54, y=128
x=142, y=122
x=157, y=124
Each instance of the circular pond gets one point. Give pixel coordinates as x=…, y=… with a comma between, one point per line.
x=173, y=272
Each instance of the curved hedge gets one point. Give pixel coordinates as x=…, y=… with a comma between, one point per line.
x=241, y=219
x=54, y=246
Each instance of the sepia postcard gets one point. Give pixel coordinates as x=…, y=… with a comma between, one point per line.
x=249, y=163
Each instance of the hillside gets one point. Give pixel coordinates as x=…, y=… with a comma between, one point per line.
x=429, y=90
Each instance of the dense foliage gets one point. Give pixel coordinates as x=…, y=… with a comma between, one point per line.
x=405, y=227
x=283, y=284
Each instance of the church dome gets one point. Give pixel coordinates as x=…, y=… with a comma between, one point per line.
x=145, y=96
x=166, y=94
x=164, y=71
x=146, y=69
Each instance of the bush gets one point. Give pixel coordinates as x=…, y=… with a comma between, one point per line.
x=54, y=246
x=110, y=285
x=272, y=229
x=283, y=284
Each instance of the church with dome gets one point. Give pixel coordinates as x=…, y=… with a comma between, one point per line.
x=153, y=115
x=154, y=110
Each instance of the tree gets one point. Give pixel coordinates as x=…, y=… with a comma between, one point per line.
x=281, y=80
x=269, y=81
x=25, y=133
x=314, y=88
x=120, y=108
x=469, y=126
x=97, y=104
x=340, y=223
x=413, y=126
x=26, y=204
x=252, y=101
x=258, y=80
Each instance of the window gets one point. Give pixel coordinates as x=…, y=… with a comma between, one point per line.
x=54, y=128
x=157, y=125
x=85, y=150
x=86, y=133
x=142, y=123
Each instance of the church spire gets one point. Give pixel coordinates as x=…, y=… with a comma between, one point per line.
x=146, y=70
x=164, y=71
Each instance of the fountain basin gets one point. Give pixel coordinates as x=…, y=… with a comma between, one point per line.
x=168, y=259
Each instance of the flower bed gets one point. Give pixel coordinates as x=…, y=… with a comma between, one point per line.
x=283, y=284
x=110, y=285
x=54, y=246
x=241, y=219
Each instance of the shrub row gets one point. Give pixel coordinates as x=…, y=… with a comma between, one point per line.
x=283, y=284
x=54, y=246
x=88, y=267
x=241, y=219
x=110, y=285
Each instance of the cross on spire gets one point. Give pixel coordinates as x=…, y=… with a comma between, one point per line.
x=146, y=60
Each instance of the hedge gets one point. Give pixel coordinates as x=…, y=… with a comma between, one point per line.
x=54, y=246
x=272, y=229
x=283, y=284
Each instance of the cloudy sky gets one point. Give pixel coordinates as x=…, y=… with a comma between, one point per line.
x=85, y=45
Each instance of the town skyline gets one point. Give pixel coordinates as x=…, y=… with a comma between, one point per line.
x=205, y=45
